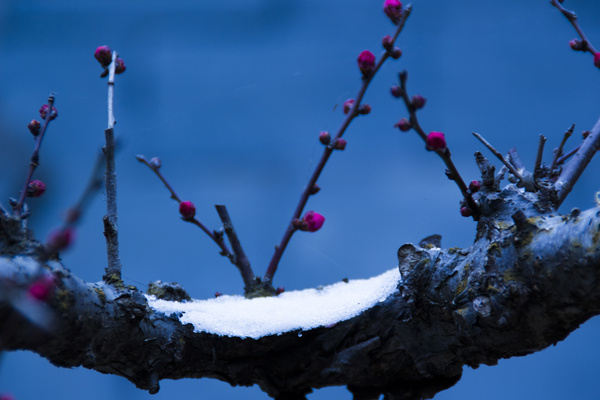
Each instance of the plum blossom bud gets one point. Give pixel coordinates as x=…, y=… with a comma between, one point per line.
x=155, y=162
x=395, y=53
x=42, y=287
x=34, y=127
x=474, y=186
x=313, y=221
x=364, y=109
x=279, y=290
x=577, y=45
x=396, y=91
x=119, y=66
x=387, y=42
x=466, y=212
x=393, y=9
x=366, y=63
x=339, y=144
x=36, y=188
x=418, y=101
x=325, y=137
x=348, y=105
x=187, y=209
x=404, y=125
x=60, y=239
x=436, y=141
x=104, y=55
x=44, y=112
x=597, y=60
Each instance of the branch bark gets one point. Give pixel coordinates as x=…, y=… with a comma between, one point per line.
x=530, y=278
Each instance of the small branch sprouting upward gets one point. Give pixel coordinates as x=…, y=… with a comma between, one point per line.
x=559, y=150
x=48, y=113
x=352, y=108
x=113, y=269
x=240, y=259
x=538, y=158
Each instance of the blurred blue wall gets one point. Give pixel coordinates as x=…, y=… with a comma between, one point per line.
x=232, y=96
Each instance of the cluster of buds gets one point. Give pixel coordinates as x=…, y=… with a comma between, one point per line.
x=363, y=109
x=388, y=45
x=311, y=222
x=44, y=113
x=104, y=56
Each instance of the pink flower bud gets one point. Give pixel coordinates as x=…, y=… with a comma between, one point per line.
x=187, y=209
x=44, y=112
x=466, y=212
x=393, y=9
x=279, y=290
x=314, y=221
x=155, y=162
x=60, y=239
x=387, y=42
x=576, y=44
x=597, y=60
x=348, y=105
x=42, y=287
x=119, y=66
x=364, y=109
x=396, y=91
x=339, y=144
x=474, y=186
x=366, y=63
x=418, y=101
x=404, y=125
x=436, y=141
x=104, y=55
x=34, y=127
x=325, y=137
x=36, y=188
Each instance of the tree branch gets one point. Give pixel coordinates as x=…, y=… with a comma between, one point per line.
x=530, y=278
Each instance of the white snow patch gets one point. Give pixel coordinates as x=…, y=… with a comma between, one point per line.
x=294, y=310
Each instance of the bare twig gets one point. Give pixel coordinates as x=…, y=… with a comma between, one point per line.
x=538, y=158
x=217, y=238
x=113, y=268
x=570, y=154
x=574, y=168
x=572, y=17
x=240, y=259
x=272, y=268
x=444, y=154
x=35, y=156
x=500, y=156
x=559, y=150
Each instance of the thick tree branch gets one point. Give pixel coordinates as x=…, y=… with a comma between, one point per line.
x=530, y=278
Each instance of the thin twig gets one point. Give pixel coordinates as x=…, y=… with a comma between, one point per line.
x=574, y=168
x=272, y=268
x=500, y=156
x=35, y=156
x=444, y=154
x=113, y=268
x=218, y=239
x=572, y=17
x=562, y=159
x=241, y=261
x=558, y=152
x=538, y=158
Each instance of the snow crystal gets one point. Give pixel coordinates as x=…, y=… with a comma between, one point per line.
x=294, y=310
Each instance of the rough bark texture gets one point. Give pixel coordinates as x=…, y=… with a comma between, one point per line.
x=530, y=278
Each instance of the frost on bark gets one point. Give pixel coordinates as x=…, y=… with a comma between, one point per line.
x=530, y=278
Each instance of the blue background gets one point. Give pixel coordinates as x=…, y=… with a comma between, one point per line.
x=232, y=97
